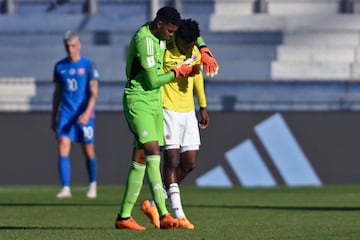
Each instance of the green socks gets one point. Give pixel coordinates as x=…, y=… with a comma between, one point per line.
x=155, y=182
x=133, y=187
x=135, y=182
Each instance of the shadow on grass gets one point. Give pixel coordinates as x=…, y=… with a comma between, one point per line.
x=257, y=207
x=58, y=204
x=48, y=228
x=286, y=208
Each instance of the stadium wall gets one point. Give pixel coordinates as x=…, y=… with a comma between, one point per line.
x=252, y=149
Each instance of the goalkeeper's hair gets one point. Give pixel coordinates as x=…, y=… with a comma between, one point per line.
x=168, y=15
x=188, y=30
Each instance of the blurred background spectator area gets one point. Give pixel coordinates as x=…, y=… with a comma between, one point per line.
x=286, y=55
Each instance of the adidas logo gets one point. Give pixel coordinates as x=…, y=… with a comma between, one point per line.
x=250, y=168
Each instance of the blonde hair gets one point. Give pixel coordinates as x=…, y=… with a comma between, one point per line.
x=71, y=35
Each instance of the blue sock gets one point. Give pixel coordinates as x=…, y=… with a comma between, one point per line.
x=64, y=170
x=91, y=166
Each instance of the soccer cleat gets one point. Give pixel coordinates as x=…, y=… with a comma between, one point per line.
x=129, y=223
x=167, y=221
x=184, y=223
x=91, y=193
x=151, y=212
x=64, y=193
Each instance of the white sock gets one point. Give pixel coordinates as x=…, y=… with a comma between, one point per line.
x=175, y=200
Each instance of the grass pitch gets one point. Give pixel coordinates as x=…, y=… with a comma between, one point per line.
x=331, y=212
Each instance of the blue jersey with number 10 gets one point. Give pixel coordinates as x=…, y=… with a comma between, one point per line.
x=74, y=78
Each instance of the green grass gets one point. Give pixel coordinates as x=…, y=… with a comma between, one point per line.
x=332, y=212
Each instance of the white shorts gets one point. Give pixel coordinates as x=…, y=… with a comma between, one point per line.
x=181, y=131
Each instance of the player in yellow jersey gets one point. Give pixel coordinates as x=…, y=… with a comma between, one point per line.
x=181, y=126
x=142, y=104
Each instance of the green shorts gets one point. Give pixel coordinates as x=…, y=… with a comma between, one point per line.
x=145, y=122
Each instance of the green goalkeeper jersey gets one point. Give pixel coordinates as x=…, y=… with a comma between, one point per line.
x=144, y=73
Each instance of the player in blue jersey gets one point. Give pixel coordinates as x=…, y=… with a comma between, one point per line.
x=76, y=89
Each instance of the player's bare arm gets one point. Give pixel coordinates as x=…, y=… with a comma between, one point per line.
x=94, y=89
x=55, y=106
x=205, y=119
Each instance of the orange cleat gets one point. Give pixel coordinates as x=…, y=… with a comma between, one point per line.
x=129, y=223
x=151, y=212
x=167, y=221
x=184, y=223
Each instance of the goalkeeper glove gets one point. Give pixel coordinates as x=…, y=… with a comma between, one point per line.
x=208, y=62
x=183, y=70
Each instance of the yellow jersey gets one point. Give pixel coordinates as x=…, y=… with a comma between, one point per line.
x=178, y=94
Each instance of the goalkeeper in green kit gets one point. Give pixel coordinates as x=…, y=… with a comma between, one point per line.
x=142, y=104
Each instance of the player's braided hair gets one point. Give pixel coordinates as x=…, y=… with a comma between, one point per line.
x=188, y=30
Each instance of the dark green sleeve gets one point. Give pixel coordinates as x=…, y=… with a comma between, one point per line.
x=153, y=80
x=200, y=42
